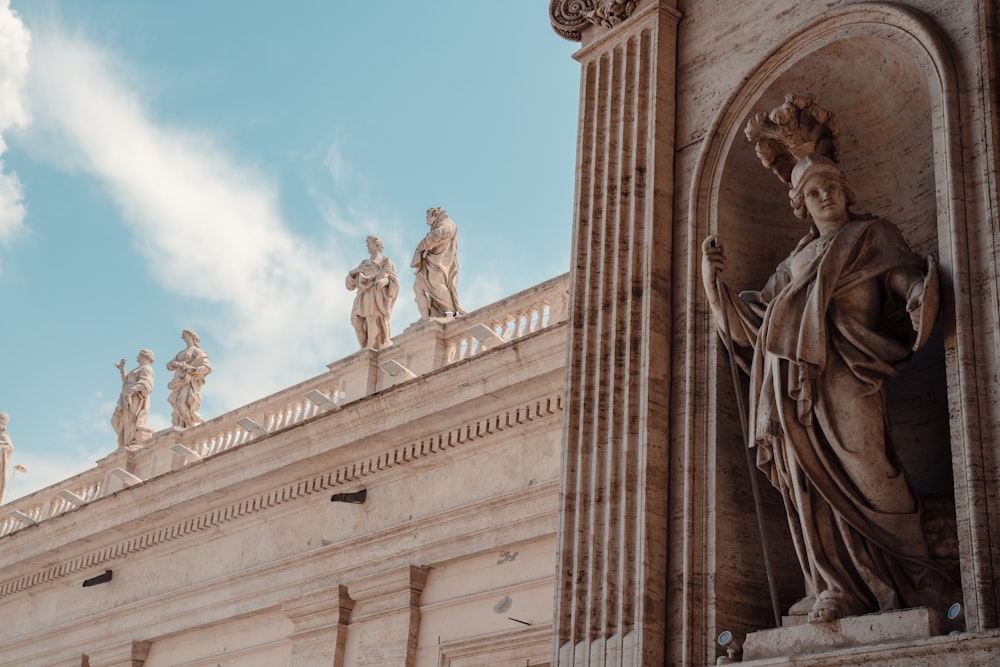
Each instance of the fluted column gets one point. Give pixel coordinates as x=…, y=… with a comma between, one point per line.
x=611, y=605
x=75, y=661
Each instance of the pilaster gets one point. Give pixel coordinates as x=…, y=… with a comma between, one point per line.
x=76, y=661
x=386, y=617
x=126, y=654
x=320, y=621
x=611, y=599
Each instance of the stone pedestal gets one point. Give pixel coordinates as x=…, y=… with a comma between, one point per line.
x=123, y=458
x=320, y=621
x=872, y=629
x=611, y=599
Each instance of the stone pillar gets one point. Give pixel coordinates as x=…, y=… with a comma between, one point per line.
x=386, y=617
x=611, y=598
x=320, y=621
x=126, y=654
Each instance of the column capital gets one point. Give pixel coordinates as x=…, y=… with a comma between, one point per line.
x=126, y=654
x=320, y=619
x=571, y=17
x=320, y=609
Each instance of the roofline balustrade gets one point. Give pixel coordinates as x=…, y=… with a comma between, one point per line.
x=425, y=346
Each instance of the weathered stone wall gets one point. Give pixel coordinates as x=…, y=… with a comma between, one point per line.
x=242, y=559
x=910, y=85
x=913, y=86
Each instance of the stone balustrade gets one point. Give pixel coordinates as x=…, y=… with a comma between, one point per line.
x=508, y=319
x=425, y=346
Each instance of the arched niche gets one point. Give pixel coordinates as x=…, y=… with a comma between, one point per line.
x=885, y=73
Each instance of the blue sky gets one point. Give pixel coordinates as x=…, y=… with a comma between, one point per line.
x=217, y=166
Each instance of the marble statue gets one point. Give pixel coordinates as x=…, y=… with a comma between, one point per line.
x=377, y=284
x=132, y=411
x=840, y=314
x=190, y=366
x=436, y=262
x=6, y=450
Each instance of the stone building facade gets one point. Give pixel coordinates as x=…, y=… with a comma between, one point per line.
x=658, y=550
x=568, y=486
x=398, y=509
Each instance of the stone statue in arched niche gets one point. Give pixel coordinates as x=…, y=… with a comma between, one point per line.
x=841, y=314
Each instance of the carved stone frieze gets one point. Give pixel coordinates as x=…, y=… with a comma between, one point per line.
x=570, y=17
x=353, y=471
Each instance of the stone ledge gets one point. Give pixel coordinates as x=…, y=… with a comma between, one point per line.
x=871, y=629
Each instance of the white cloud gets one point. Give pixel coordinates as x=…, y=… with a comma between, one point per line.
x=348, y=209
x=208, y=227
x=15, y=43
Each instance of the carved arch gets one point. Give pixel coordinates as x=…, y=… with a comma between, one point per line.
x=912, y=145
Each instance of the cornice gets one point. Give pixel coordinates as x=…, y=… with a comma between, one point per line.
x=361, y=468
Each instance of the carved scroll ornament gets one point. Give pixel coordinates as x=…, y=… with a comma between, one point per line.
x=570, y=17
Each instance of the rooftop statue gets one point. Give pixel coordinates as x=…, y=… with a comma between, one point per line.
x=6, y=450
x=132, y=411
x=190, y=367
x=377, y=284
x=840, y=314
x=436, y=262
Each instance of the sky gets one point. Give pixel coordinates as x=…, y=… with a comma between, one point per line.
x=217, y=165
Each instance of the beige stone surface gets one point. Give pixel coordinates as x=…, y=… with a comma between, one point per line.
x=234, y=554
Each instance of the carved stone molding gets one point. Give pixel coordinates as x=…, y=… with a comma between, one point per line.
x=408, y=452
x=129, y=654
x=320, y=620
x=570, y=17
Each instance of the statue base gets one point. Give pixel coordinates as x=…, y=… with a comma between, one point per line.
x=798, y=637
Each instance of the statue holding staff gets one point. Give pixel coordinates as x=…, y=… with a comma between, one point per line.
x=843, y=312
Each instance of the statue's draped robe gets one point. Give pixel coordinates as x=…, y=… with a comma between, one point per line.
x=826, y=331
x=436, y=261
x=132, y=411
x=185, y=387
x=373, y=303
